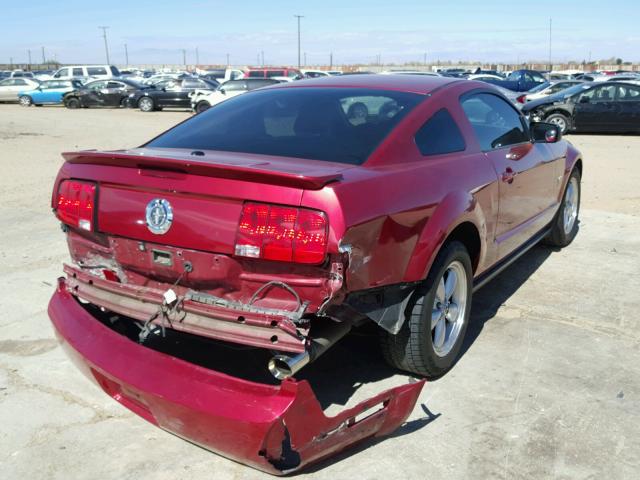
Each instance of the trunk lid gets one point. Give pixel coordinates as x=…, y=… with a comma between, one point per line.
x=205, y=190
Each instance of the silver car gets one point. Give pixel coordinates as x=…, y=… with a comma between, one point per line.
x=9, y=88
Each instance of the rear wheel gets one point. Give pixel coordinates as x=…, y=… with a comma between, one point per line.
x=25, y=101
x=72, y=102
x=560, y=120
x=431, y=337
x=202, y=106
x=123, y=102
x=565, y=225
x=146, y=104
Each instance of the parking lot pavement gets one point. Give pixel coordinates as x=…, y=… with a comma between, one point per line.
x=548, y=386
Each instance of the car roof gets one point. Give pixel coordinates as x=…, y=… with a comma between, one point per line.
x=422, y=84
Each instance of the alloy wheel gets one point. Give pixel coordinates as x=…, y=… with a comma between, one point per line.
x=570, y=211
x=449, y=308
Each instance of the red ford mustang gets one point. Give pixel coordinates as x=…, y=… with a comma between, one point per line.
x=280, y=220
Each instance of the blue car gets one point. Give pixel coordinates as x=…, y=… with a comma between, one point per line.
x=49, y=92
x=520, y=80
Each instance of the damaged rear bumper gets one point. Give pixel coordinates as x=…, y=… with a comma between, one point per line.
x=277, y=429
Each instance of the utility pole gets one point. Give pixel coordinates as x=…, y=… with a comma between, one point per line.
x=197, y=57
x=330, y=60
x=262, y=57
x=10, y=63
x=184, y=57
x=305, y=59
x=424, y=59
x=299, y=17
x=43, y=59
x=228, y=60
x=126, y=55
x=106, y=45
x=550, y=64
x=29, y=52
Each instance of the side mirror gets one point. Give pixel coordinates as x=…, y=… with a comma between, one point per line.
x=223, y=91
x=584, y=99
x=545, y=132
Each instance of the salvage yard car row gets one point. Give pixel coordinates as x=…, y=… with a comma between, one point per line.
x=607, y=104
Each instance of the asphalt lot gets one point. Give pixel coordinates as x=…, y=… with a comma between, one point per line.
x=548, y=386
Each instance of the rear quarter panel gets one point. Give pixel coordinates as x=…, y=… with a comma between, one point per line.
x=396, y=210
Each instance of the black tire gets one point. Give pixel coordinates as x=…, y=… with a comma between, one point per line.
x=72, y=102
x=202, y=106
x=25, y=101
x=123, y=102
x=562, y=121
x=146, y=104
x=561, y=233
x=412, y=348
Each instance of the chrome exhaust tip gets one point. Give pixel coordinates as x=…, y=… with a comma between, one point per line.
x=283, y=366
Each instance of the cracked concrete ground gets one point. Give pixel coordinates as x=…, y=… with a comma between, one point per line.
x=548, y=386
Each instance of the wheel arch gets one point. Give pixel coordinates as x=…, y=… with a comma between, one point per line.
x=458, y=217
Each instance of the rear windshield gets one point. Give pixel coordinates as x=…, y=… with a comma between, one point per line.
x=340, y=125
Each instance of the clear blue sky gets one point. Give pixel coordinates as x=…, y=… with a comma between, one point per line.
x=398, y=30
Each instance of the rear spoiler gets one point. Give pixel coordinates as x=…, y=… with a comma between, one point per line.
x=311, y=180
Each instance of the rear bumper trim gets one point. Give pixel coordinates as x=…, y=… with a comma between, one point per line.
x=277, y=429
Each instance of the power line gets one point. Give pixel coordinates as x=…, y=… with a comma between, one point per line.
x=106, y=45
x=299, y=17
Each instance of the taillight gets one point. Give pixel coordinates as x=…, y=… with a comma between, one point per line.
x=521, y=99
x=287, y=234
x=75, y=203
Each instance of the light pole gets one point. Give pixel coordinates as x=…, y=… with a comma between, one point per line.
x=126, y=55
x=43, y=59
x=197, y=57
x=227, y=59
x=29, y=52
x=550, y=65
x=299, y=17
x=184, y=57
x=106, y=45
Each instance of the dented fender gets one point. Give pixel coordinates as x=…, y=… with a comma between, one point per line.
x=455, y=209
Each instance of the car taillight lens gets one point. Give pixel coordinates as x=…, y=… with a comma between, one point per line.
x=287, y=234
x=75, y=203
x=521, y=98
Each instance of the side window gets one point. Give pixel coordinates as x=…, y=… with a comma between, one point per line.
x=191, y=83
x=20, y=82
x=97, y=85
x=96, y=71
x=495, y=123
x=275, y=73
x=253, y=84
x=605, y=93
x=63, y=72
x=440, y=135
x=233, y=86
x=537, y=78
x=77, y=72
x=628, y=93
x=256, y=74
x=115, y=85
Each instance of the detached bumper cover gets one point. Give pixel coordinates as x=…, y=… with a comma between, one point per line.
x=277, y=429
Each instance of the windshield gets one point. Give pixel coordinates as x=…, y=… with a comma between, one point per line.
x=539, y=88
x=340, y=125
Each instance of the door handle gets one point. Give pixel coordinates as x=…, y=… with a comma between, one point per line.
x=508, y=175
